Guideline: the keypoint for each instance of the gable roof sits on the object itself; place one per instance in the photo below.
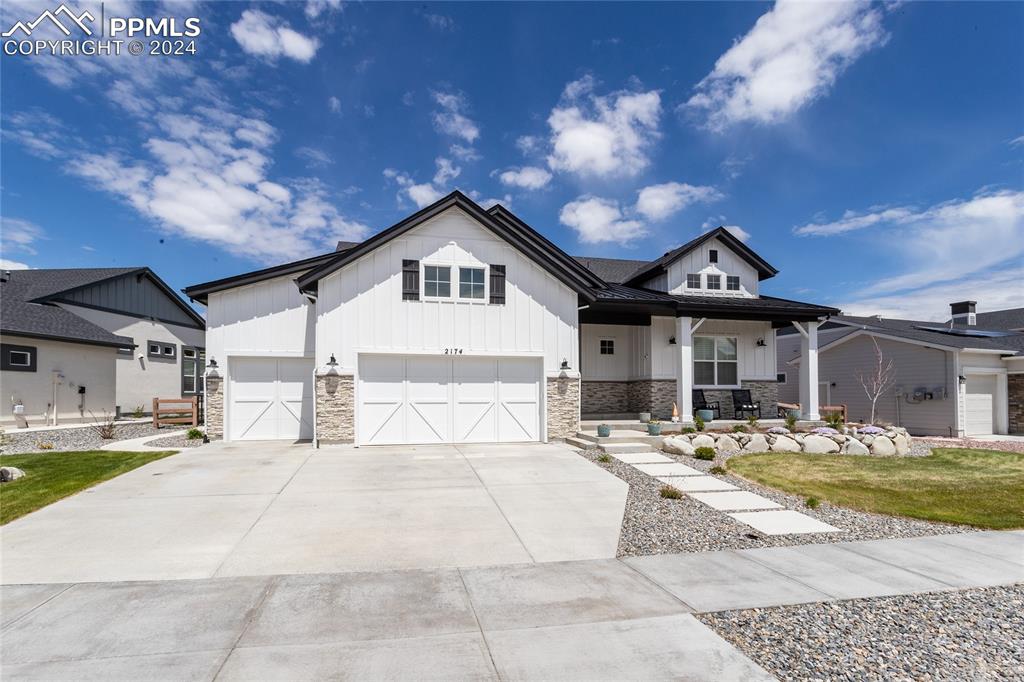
(928, 333)
(1011, 318)
(499, 221)
(201, 292)
(611, 270)
(654, 268)
(25, 312)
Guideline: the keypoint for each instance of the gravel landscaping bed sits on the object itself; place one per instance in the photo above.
(77, 438)
(655, 525)
(176, 441)
(963, 635)
(1001, 445)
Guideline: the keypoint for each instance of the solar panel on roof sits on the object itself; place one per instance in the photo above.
(963, 331)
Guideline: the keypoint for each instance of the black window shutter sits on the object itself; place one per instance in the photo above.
(498, 284)
(410, 280)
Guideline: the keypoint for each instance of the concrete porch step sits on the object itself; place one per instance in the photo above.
(579, 443)
(623, 448)
(623, 436)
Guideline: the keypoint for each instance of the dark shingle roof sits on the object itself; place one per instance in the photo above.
(611, 270)
(912, 330)
(21, 316)
(1012, 318)
(345, 246)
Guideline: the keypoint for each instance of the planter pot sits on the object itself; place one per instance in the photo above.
(654, 429)
(706, 415)
(604, 430)
(645, 417)
(795, 414)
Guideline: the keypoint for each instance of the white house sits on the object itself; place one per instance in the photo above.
(963, 377)
(460, 324)
(79, 342)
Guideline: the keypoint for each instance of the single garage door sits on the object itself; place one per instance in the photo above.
(980, 404)
(459, 399)
(270, 398)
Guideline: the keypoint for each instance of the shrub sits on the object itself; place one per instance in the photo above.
(704, 453)
(44, 445)
(739, 428)
(193, 433)
(670, 493)
(138, 412)
(790, 422)
(718, 470)
(104, 428)
(698, 423)
(752, 421)
(653, 421)
(688, 429)
(604, 459)
(835, 420)
(812, 502)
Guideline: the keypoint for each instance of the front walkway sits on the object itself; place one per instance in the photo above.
(600, 619)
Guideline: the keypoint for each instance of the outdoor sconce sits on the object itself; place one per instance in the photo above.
(962, 379)
(212, 364)
(671, 340)
(332, 362)
(565, 364)
(761, 343)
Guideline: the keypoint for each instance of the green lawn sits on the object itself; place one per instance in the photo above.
(982, 488)
(52, 476)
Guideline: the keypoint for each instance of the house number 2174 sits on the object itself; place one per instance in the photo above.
(453, 351)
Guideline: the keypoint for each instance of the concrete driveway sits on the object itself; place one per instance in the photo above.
(251, 509)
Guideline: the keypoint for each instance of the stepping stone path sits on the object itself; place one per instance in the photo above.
(735, 501)
(784, 522)
(641, 457)
(689, 484)
(672, 469)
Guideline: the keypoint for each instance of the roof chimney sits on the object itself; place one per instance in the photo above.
(5, 275)
(963, 313)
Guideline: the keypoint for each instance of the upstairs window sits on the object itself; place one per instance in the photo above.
(732, 283)
(607, 346)
(471, 282)
(693, 281)
(713, 255)
(437, 281)
(714, 281)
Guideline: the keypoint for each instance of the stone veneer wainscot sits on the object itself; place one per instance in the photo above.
(335, 408)
(1015, 391)
(563, 398)
(213, 407)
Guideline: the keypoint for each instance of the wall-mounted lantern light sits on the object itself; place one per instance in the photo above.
(332, 362)
(565, 364)
(761, 343)
(671, 340)
(962, 379)
(212, 364)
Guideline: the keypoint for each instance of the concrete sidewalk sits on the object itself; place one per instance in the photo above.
(600, 619)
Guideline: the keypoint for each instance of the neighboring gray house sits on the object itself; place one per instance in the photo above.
(80, 342)
(962, 377)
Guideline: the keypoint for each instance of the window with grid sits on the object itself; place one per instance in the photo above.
(714, 281)
(715, 362)
(471, 282)
(732, 283)
(607, 346)
(437, 281)
(693, 281)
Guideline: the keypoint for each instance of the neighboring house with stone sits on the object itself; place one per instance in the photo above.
(962, 377)
(81, 342)
(460, 324)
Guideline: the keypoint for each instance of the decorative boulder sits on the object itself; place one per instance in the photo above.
(882, 445)
(855, 447)
(757, 443)
(785, 444)
(703, 441)
(677, 446)
(819, 444)
(727, 444)
(10, 474)
(902, 444)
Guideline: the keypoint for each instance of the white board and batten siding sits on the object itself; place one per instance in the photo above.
(729, 263)
(267, 318)
(360, 307)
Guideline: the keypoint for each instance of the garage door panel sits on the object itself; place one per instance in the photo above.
(270, 399)
(979, 405)
(518, 422)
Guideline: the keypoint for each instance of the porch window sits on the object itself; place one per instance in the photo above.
(607, 346)
(715, 362)
(437, 281)
(714, 281)
(693, 281)
(732, 283)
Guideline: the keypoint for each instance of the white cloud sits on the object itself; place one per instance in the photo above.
(446, 170)
(334, 104)
(602, 135)
(736, 230)
(597, 220)
(464, 153)
(527, 177)
(440, 22)
(451, 120)
(1017, 141)
(424, 193)
(314, 8)
(12, 265)
(19, 235)
(791, 56)
(658, 202)
(529, 144)
(263, 35)
(314, 158)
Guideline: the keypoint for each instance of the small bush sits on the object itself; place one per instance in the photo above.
(704, 453)
(44, 445)
(688, 429)
(739, 428)
(790, 422)
(105, 428)
(138, 412)
(812, 502)
(718, 470)
(698, 423)
(835, 420)
(193, 433)
(752, 421)
(670, 493)
(604, 459)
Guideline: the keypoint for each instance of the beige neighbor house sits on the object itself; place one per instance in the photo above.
(78, 343)
(460, 324)
(963, 377)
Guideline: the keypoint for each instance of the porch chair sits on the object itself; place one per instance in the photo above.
(742, 402)
(700, 403)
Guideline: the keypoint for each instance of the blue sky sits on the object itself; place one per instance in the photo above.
(873, 153)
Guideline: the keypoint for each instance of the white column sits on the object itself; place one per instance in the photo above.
(684, 374)
(808, 370)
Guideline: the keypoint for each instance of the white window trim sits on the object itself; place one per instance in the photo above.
(458, 295)
(700, 281)
(26, 353)
(423, 280)
(739, 383)
(453, 275)
(606, 338)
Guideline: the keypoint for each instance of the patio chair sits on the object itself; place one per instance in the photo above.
(742, 403)
(700, 403)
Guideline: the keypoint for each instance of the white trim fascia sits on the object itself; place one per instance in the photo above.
(986, 351)
(440, 352)
(269, 354)
(860, 332)
(965, 370)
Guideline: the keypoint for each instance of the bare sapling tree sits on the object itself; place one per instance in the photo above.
(879, 380)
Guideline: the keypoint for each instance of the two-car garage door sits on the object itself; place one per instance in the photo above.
(450, 399)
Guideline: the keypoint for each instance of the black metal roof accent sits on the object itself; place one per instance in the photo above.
(764, 269)
(518, 234)
(766, 308)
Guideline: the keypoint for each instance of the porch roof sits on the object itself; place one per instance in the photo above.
(619, 298)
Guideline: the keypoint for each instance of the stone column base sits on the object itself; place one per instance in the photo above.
(335, 408)
(563, 397)
(213, 407)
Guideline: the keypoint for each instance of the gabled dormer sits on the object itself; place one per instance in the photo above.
(714, 264)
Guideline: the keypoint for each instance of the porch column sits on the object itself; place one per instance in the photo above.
(808, 370)
(684, 375)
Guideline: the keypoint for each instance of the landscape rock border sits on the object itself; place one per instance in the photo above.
(893, 441)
